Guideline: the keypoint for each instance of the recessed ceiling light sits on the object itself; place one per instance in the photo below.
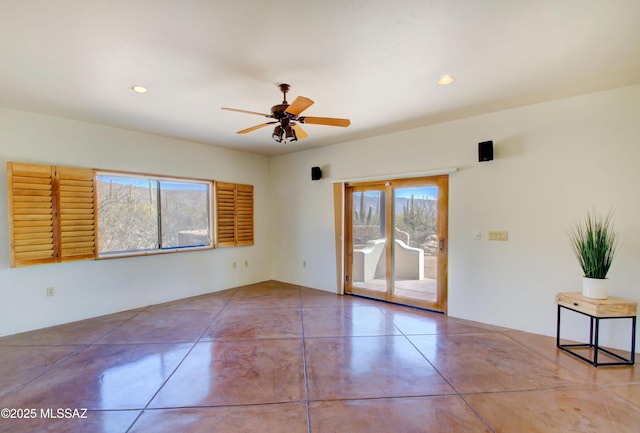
(446, 79)
(139, 89)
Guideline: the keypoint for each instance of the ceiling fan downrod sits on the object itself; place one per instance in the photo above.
(284, 88)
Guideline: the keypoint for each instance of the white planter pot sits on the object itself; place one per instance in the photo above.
(595, 288)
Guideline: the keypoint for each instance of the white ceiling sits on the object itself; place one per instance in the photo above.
(373, 61)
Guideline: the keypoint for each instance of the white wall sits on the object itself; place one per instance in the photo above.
(92, 288)
(553, 162)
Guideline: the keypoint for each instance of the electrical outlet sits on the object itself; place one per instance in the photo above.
(51, 291)
(477, 235)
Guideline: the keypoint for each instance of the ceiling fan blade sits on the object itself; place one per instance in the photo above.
(331, 121)
(299, 105)
(300, 133)
(246, 112)
(253, 128)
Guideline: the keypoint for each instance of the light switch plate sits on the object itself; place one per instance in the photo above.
(498, 235)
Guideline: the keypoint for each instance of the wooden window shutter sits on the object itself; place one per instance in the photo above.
(244, 215)
(32, 237)
(77, 214)
(234, 214)
(225, 214)
(51, 214)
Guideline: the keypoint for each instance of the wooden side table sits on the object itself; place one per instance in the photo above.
(596, 310)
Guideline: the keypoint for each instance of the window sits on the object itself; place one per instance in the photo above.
(140, 214)
(60, 214)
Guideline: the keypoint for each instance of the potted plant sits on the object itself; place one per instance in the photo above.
(594, 243)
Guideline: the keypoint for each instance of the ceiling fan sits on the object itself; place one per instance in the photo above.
(288, 119)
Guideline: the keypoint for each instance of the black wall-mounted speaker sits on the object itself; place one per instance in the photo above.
(485, 151)
(316, 173)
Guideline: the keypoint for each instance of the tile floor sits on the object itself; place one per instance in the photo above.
(272, 357)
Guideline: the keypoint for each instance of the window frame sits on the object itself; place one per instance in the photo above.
(158, 178)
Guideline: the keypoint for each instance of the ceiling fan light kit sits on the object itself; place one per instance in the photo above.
(288, 119)
(284, 133)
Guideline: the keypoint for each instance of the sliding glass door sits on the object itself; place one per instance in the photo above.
(396, 241)
(368, 238)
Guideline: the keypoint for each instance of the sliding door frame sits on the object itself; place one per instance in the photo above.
(388, 186)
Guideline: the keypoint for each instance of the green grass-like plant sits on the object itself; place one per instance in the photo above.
(594, 243)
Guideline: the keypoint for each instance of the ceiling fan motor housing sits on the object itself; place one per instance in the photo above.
(278, 111)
